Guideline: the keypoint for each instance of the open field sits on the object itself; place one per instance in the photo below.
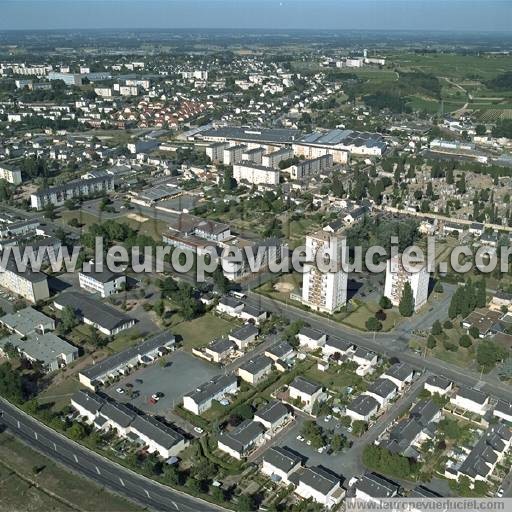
(199, 332)
(31, 482)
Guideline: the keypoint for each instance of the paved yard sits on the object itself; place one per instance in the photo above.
(183, 373)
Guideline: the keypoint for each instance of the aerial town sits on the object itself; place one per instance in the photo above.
(254, 390)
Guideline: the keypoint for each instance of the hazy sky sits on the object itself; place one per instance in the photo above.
(472, 15)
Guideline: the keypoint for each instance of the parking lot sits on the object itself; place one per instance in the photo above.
(182, 374)
(346, 464)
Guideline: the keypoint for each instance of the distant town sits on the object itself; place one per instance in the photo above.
(254, 390)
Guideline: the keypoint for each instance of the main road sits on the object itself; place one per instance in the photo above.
(103, 471)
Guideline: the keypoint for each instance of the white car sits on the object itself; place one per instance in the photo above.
(308, 442)
(120, 391)
(199, 430)
(300, 438)
(328, 418)
(321, 449)
(155, 397)
(500, 493)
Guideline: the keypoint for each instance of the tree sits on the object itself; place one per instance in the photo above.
(159, 308)
(436, 328)
(406, 306)
(49, 211)
(245, 503)
(431, 342)
(474, 332)
(385, 302)
(194, 485)
(218, 494)
(68, 319)
(490, 353)
(338, 442)
(359, 427)
(374, 325)
(77, 431)
(465, 341)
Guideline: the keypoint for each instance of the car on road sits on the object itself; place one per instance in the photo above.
(120, 391)
(321, 449)
(500, 493)
(300, 438)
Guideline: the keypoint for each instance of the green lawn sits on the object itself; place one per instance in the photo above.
(59, 393)
(57, 488)
(335, 378)
(357, 319)
(199, 332)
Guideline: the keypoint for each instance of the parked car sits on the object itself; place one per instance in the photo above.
(120, 391)
(199, 430)
(300, 438)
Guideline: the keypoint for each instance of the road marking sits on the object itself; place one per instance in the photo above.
(121, 480)
(19, 424)
(175, 505)
(35, 435)
(97, 470)
(75, 457)
(147, 493)
(55, 446)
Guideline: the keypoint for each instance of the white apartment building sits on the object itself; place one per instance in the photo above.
(216, 151)
(59, 194)
(323, 290)
(273, 159)
(255, 174)
(306, 168)
(10, 174)
(104, 283)
(233, 154)
(397, 276)
(32, 286)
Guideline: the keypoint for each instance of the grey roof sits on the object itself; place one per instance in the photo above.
(89, 401)
(377, 486)
(423, 492)
(311, 333)
(424, 411)
(243, 436)
(272, 412)
(117, 360)
(364, 354)
(305, 385)
(405, 431)
(89, 307)
(27, 273)
(253, 311)
(245, 332)
(382, 387)
(230, 301)
(157, 431)
(345, 137)
(45, 348)
(438, 381)
(504, 407)
(118, 413)
(220, 346)
(280, 349)
(245, 134)
(472, 394)
(399, 371)
(104, 276)
(341, 345)
(25, 321)
(281, 458)
(318, 479)
(211, 388)
(257, 364)
(363, 405)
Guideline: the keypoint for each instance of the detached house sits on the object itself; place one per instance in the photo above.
(240, 441)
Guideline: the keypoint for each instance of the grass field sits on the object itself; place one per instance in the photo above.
(29, 482)
(199, 332)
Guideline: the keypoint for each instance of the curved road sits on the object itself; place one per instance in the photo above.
(106, 473)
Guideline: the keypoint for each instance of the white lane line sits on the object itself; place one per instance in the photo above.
(121, 480)
(75, 457)
(19, 424)
(55, 446)
(147, 493)
(97, 470)
(35, 435)
(175, 505)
